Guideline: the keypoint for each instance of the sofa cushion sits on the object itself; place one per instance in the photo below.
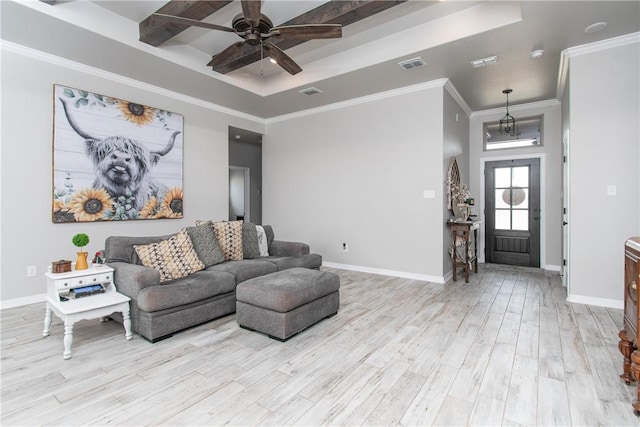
(196, 287)
(313, 261)
(206, 244)
(246, 269)
(173, 258)
(120, 248)
(229, 234)
(250, 248)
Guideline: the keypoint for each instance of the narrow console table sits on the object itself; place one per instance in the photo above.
(463, 230)
(629, 335)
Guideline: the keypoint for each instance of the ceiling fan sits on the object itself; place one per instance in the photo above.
(257, 30)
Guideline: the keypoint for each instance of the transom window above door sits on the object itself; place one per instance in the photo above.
(527, 133)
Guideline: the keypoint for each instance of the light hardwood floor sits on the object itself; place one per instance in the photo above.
(505, 349)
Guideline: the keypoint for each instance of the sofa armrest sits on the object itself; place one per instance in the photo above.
(130, 279)
(282, 248)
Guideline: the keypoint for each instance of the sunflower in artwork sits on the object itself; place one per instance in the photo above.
(172, 203)
(90, 204)
(150, 209)
(138, 114)
(61, 212)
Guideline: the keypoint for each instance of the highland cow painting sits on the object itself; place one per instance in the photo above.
(114, 160)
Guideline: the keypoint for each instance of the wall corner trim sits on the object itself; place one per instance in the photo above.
(19, 302)
(384, 272)
(600, 302)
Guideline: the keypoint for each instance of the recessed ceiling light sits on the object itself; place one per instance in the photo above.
(477, 63)
(594, 28)
(537, 53)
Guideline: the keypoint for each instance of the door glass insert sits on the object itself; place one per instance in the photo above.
(512, 198)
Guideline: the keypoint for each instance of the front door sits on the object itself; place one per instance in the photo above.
(512, 200)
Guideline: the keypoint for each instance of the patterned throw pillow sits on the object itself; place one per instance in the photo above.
(173, 258)
(205, 243)
(263, 246)
(229, 234)
(250, 248)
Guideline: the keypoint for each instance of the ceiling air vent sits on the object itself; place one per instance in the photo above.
(411, 63)
(310, 91)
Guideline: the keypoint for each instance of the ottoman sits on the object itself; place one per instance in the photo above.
(283, 303)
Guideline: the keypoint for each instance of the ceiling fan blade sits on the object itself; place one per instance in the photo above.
(223, 56)
(192, 22)
(282, 58)
(251, 11)
(308, 32)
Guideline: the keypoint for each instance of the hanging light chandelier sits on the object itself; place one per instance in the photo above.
(507, 123)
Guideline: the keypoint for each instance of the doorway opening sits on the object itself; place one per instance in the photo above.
(245, 175)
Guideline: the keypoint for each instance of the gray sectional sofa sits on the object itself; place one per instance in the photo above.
(159, 309)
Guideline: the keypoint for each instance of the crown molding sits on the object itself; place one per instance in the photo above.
(449, 87)
(360, 100)
(77, 66)
(568, 53)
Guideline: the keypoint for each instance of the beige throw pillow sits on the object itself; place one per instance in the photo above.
(229, 235)
(173, 258)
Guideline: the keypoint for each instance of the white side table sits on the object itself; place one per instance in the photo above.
(89, 307)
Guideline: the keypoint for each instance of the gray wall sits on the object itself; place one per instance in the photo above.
(604, 150)
(455, 146)
(356, 174)
(249, 155)
(28, 235)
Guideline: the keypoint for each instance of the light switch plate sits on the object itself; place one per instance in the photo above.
(429, 194)
(611, 190)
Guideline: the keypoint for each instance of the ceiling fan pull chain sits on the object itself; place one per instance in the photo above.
(261, 59)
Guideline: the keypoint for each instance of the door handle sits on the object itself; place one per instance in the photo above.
(536, 214)
(564, 223)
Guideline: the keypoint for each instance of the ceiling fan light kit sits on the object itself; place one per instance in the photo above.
(257, 30)
(507, 122)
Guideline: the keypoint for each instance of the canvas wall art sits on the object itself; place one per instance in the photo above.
(114, 159)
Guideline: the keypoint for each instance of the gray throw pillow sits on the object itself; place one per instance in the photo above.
(250, 248)
(206, 244)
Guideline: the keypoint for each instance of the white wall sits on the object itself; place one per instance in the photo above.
(551, 172)
(604, 151)
(356, 174)
(28, 237)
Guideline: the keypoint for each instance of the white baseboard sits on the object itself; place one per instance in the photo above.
(550, 267)
(383, 272)
(600, 302)
(19, 302)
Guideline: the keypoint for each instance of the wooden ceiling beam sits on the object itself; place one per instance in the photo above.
(156, 31)
(332, 12)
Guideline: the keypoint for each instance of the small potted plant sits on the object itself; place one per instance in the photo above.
(81, 240)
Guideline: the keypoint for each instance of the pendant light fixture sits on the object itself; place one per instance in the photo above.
(507, 123)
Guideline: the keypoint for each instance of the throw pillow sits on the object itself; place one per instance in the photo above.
(250, 248)
(173, 258)
(206, 244)
(229, 234)
(263, 246)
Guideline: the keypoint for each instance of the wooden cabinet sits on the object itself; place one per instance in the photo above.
(629, 338)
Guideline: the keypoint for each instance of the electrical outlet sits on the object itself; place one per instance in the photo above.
(345, 247)
(32, 271)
